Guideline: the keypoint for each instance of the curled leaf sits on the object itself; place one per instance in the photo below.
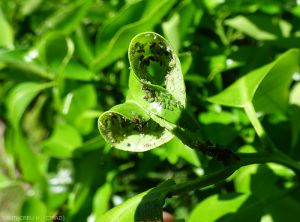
(157, 100)
(156, 80)
(153, 61)
(128, 127)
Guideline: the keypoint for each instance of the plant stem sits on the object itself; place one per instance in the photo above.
(285, 160)
(275, 157)
(245, 159)
(267, 143)
(203, 181)
(270, 154)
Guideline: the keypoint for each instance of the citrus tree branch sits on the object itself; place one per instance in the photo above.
(245, 159)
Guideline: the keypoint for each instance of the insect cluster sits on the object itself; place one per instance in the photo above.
(116, 127)
(217, 151)
(163, 99)
(154, 51)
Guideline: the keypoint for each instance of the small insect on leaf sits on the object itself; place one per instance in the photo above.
(128, 127)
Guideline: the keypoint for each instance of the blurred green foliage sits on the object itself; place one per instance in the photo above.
(63, 63)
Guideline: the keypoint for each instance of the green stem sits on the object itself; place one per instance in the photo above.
(203, 181)
(271, 154)
(267, 143)
(245, 160)
(221, 32)
(285, 160)
(275, 157)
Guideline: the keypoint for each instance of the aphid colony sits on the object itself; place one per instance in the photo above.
(155, 51)
(164, 99)
(117, 127)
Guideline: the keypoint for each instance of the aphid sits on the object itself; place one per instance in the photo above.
(172, 63)
(153, 45)
(141, 50)
(141, 57)
(152, 58)
(145, 62)
(139, 123)
(123, 124)
(138, 47)
(106, 123)
(113, 117)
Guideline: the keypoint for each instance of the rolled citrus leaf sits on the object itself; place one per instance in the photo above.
(156, 80)
(128, 127)
(157, 100)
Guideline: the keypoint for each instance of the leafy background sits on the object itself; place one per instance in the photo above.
(63, 63)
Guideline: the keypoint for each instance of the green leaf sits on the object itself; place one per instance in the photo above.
(23, 154)
(223, 117)
(35, 208)
(113, 46)
(267, 86)
(78, 197)
(146, 206)
(170, 29)
(77, 101)
(256, 26)
(212, 4)
(186, 60)
(272, 94)
(295, 95)
(243, 90)
(128, 127)
(291, 210)
(156, 80)
(255, 178)
(55, 49)
(7, 35)
(181, 23)
(20, 97)
(91, 144)
(76, 71)
(76, 104)
(101, 200)
(63, 141)
(233, 207)
(157, 87)
(295, 128)
(175, 149)
(66, 19)
(83, 46)
(23, 60)
(216, 206)
(29, 6)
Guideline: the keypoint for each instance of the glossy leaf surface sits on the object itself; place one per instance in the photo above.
(146, 206)
(266, 87)
(20, 98)
(114, 41)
